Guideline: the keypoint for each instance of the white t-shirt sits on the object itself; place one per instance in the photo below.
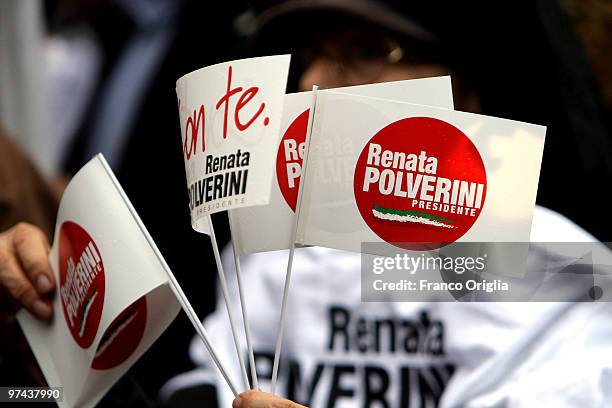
(340, 352)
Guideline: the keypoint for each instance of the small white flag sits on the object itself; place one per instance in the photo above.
(230, 117)
(268, 228)
(385, 171)
(113, 300)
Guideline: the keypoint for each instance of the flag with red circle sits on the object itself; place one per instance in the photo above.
(409, 175)
(113, 299)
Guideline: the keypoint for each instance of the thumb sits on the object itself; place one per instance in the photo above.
(258, 399)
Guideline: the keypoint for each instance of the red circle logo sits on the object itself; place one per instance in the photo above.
(289, 158)
(81, 282)
(420, 180)
(122, 337)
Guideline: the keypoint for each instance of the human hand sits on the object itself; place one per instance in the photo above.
(25, 273)
(258, 399)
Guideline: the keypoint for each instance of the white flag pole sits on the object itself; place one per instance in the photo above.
(245, 320)
(174, 285)
(225, 292)
(281, 324)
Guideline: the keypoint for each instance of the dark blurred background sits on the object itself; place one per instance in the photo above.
(105, 73)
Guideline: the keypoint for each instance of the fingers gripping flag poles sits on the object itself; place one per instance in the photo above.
(230, 117)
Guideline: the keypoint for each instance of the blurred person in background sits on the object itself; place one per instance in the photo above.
(520, 61)
(517, 61)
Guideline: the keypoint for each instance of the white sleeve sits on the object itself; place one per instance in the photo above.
(562, 359)
(570, 365)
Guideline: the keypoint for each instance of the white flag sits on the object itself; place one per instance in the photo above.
(113, 299)
(268, 228)
(230, 119)
(385, 171)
